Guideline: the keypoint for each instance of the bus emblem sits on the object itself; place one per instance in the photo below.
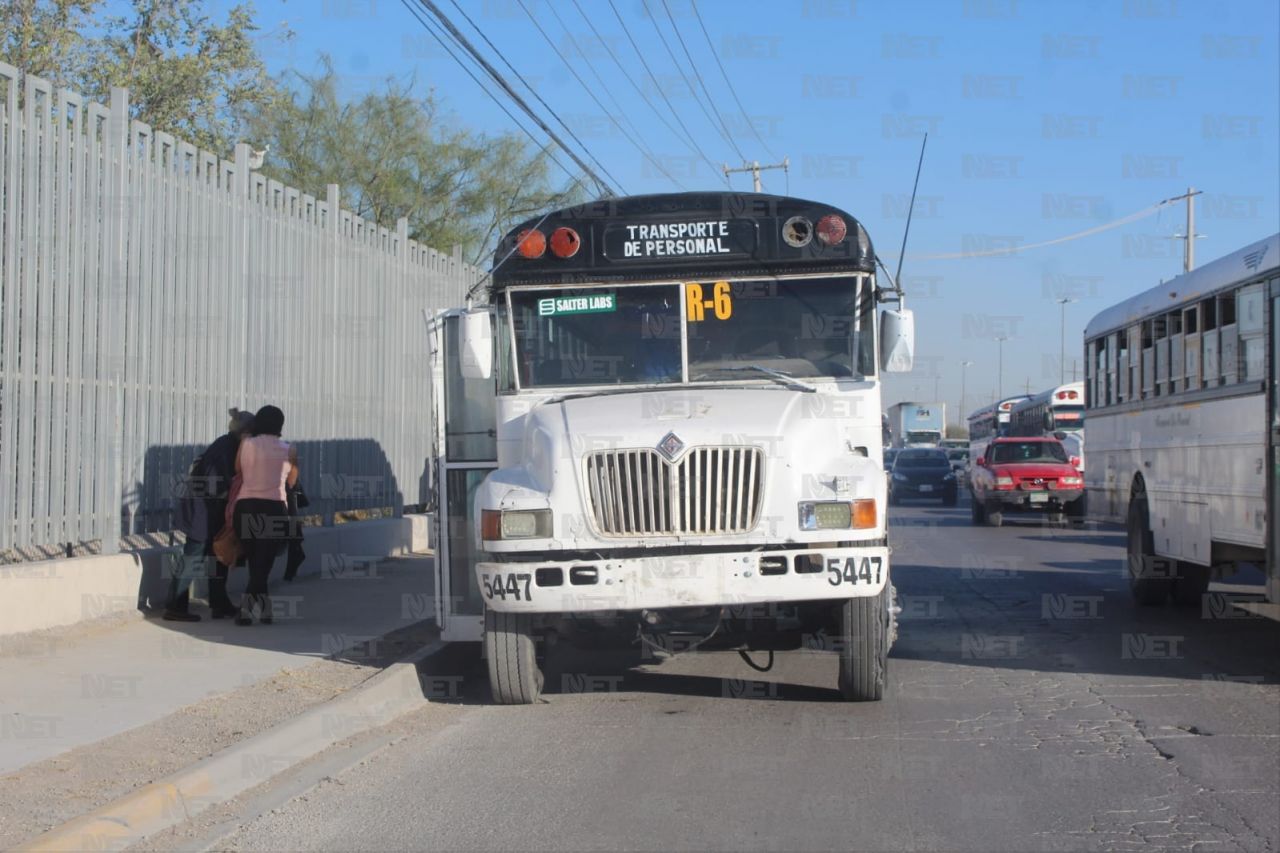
(671, 445)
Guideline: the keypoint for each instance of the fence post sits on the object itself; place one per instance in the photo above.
(334, 224)
(403, 318)
(240, 204)
(109, 477)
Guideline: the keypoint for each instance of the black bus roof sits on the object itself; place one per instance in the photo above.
(647, 237)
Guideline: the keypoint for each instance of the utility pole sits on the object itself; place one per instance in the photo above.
(1188, 238)
(755, 169)
(1000, 339)
(1062, 344)
(963, 365)
(1189, 253)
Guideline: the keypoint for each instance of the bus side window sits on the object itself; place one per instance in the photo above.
(1149, 383)
(1160, 327)
(1135, 362)
(1229, 339)
(1090, 399)
(1122, 366)
(1191, 347)
(1251, 323)
(1100, 371)
(1209, 361)
(1176, 363)
(1111, 386)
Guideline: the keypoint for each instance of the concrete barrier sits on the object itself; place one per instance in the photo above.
(56, 593)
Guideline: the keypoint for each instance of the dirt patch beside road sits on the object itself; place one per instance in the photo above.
(47, 793)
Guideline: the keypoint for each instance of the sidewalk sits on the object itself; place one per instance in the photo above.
(64, 689)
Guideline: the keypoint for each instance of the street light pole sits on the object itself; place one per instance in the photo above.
(1000, 339)
(1062, 344)
(963, 365)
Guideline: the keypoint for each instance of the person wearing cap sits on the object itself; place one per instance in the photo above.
(201, 513)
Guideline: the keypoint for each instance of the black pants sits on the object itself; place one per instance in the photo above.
(263, 528)
(197, 562)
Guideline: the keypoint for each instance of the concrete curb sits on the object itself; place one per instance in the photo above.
(220, 777)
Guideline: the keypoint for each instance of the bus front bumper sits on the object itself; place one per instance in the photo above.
(693, 580)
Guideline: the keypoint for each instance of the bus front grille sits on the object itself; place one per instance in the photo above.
(709, 490)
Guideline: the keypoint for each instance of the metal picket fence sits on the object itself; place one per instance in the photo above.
(148, 286)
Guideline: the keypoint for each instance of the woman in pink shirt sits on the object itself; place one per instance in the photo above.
(267, 464)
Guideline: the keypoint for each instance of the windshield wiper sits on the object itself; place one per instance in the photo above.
(779, 376)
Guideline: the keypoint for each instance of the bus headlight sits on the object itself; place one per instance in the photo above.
(1070, 481)
(838, 515)
(515, 524)
(1004, 482)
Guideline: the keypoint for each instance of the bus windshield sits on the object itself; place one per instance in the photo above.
(641, 334)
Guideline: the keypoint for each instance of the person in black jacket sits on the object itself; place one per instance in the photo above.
(201, 513)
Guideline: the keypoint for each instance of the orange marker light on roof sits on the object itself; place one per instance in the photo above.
(565, 242)
(831, 229)
(531, 243)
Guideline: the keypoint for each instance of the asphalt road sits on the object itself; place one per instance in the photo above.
(1031, 707)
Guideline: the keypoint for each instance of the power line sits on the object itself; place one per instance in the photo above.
(627, 32)
(728, 82)
(724, 133)
(577, 5)
(506, 87)
(534, 91)
(432, 31)
(641, 146)
(1013, 250)
(724, 127)
(605, 87)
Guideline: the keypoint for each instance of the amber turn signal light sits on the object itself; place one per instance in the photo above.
(565, 242)
(531, 243)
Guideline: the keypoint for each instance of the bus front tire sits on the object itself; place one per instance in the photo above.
(864, 652)
(1191, 583)
(1147, 589)
(995, 517)
(511, 649)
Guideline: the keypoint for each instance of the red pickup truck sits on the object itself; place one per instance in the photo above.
(1025, 475)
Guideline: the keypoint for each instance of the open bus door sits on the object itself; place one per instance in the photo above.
(466, 451)
(1273, 448)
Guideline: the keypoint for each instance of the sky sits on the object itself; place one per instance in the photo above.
(1045, 119)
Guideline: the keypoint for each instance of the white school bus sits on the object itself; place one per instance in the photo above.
(1183, 415)
(664, 429)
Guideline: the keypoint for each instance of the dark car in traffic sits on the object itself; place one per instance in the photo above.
(922, 473)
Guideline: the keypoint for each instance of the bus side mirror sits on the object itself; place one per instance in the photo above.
(897, 340)
(982, 460)
(475, 344)
(1075, 462)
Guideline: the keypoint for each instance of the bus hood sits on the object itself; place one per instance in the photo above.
(814, 446)
(774, 418)
(801, 433)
